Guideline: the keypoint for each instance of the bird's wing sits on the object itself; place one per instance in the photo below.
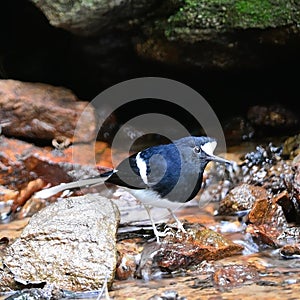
(128, 174)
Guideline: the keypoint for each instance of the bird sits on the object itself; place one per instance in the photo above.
(164, 176)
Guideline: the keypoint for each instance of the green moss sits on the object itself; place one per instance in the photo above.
(262, 13)
(195, 16)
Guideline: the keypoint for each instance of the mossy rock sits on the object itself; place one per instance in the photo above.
(195, 18)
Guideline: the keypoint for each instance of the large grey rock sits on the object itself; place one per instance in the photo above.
(88, 17)
(71, 243)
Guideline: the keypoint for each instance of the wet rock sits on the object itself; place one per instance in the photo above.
(241, 198)
(49, 292)
(266, 211)
(265, 235)
(290, 235)
(128, 258)
(232, 276)
(290, 207)
(263, 155)
(290, 251)
(42, 111)
(13, 174)
(296, 178)
(26, 168)
(266, 222)
(168, 295)
(181, 251)
(266, 167)
(70, 243)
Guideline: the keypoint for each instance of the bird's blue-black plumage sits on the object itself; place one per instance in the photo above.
(163, 170)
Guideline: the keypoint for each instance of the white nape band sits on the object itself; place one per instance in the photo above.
(209, 147)
(141, 164)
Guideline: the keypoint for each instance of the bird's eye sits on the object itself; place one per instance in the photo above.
(197, 149)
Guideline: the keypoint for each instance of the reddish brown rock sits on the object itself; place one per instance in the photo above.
(241, 197)
(290, 251)
(232, 276)
(42, 111)
(264, 234)
(26, 169)
(266, 211)
(184, 250)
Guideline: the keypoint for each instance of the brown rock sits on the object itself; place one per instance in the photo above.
(185, 250)
(264, 234)
(36, 110)
(232, 276)
(240, 198)
(25, 168)
(266, 211)
(290, 251)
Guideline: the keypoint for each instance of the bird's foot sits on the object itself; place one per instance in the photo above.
(180, 226)
(159, 234)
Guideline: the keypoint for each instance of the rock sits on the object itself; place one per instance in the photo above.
(295, 187)
(233, 276)
(221, 34)
(290, 251)
(266, 211)
(71, 243)
(42, 111)
(185, 250)
(266, 167)
(290, 207)
(242, 197)
(26, 168)
(90, 17)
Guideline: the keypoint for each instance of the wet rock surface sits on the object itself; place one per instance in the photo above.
(71, 243)
(241, 198)
(180, 251)
(232, 276)
(26, 169)
(24, 114)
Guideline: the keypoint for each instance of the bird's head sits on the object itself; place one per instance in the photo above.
(200, 148)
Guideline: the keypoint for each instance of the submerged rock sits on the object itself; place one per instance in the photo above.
(71, 243)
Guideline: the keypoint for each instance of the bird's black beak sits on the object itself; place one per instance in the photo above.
(219, 159)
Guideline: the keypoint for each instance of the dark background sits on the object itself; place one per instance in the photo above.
(32, 50)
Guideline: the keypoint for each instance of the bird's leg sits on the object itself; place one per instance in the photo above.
(156, 232)
(179, 224)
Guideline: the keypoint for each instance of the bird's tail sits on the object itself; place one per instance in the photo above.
(46, 193)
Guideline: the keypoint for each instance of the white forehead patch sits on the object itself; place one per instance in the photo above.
(209, 147)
